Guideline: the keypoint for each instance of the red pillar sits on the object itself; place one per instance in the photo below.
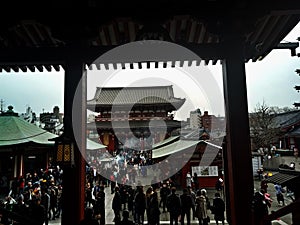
(237, 156)
(74, 177)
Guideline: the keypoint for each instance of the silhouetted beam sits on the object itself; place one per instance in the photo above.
(7, 69)
(56, 67)
(48, 68)
(291, 46)
(49, 55)
(40, 68)
(31, 68)
(58, 55)
(23, 68)
(16, 69)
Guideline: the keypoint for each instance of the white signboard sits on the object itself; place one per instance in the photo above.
(205, 171)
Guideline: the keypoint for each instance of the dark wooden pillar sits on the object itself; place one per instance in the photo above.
(74, 177)
(238, 166)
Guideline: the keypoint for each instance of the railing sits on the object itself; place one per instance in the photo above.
(109, 119)
(291, 208)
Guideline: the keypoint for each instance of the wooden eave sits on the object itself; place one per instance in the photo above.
(43, 35)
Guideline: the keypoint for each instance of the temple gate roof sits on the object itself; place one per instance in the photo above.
(134, 97)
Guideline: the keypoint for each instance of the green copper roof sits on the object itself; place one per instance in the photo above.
(14, 130)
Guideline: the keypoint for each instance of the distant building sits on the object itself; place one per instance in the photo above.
(29, 115)
(204, 126)
(133, 117)
(211, 123)
(9, 112)
(195, 119)
(52, 122)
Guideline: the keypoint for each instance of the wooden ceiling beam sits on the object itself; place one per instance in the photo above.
(58, 55)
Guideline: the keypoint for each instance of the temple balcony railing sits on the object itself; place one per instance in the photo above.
(139, 118)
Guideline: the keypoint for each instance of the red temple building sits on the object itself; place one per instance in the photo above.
(133, 117)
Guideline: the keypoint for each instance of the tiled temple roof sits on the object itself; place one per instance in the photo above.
(129, 96)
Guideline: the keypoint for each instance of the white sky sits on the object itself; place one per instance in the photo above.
(271, 80)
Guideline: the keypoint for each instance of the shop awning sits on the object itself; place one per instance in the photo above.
(172, 148)
(92, 145)
(175, 144)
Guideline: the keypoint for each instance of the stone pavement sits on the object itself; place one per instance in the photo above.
(164, 217)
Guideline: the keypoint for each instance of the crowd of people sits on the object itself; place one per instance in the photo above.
(38, 197)
(151, 202)
(41, 191)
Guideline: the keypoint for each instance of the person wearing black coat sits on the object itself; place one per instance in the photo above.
(117, 205)
(154, 211)
(186, 206)
(173, 206)
(218, 208)
(89, 217)
(139, 206)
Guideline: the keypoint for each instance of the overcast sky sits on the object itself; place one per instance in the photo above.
(271, 80)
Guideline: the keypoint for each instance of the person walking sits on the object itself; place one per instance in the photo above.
(218, 208)
(149, 193)
(193, 195)
(195, 182)
(164, 192)
(99, 206)
(139, 206)
(154, 211)
(259, 207)
(279, 194)
(117, 206)
(188, 179)
(174, 206)
(38, 212)
(45, 201)
(186, 206)
(201, 208)
(264, 185)
(220, 186)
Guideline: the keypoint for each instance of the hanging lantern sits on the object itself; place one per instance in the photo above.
(64, 151)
